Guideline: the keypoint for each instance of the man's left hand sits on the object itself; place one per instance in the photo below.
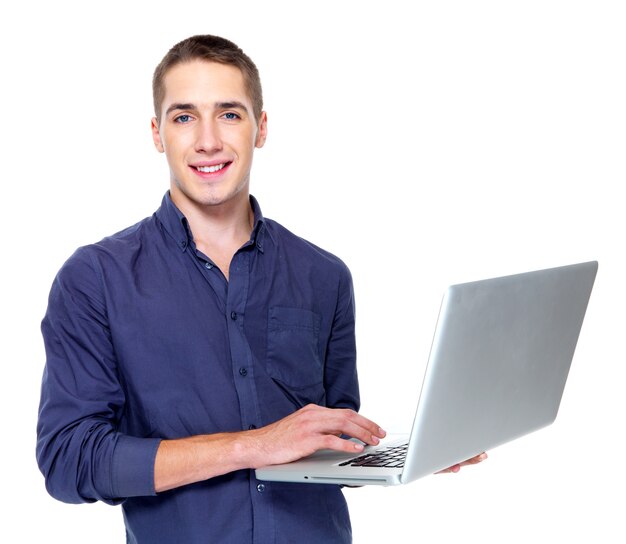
(473, 461)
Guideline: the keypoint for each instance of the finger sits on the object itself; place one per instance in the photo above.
(347, 422)
(333, 442)
(452, 469)
(357, 426)
(475, 460)
(364, 434)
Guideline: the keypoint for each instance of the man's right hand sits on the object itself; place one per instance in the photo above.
(308, 430)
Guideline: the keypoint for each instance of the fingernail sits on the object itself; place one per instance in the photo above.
(358, 446)
(382, 432)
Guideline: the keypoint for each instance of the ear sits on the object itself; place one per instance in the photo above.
(261, 134)
(156, 136)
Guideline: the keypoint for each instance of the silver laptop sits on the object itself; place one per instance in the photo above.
(497, 369)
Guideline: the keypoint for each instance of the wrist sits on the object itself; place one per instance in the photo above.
(247, 450)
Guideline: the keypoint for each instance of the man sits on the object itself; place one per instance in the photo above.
(202, 342)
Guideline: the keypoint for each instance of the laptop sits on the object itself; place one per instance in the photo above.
(497, 368)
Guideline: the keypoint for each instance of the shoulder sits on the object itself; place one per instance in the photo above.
(122, 244)
(127, 240)
(94, 260)
(301, 250)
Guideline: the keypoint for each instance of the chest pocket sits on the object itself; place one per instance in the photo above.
(293, 352)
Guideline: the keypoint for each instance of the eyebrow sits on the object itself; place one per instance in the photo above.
(231, 106)
(179, 106)
(218, 105)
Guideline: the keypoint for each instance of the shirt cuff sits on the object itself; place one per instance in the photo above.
(133, 466)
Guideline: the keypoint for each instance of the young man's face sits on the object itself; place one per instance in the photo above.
(208, 133)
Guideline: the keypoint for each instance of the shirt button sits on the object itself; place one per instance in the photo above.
(243, 371)
(233, 316)
(183, 244)
(260, 488)
(208, 265)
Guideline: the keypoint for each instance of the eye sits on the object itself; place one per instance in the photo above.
(182, 118)
(231, 116)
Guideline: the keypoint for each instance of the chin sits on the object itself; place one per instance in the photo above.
(215, 199)
(207, 196)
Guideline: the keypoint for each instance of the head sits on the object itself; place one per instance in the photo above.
(212, 49)
(208, 122)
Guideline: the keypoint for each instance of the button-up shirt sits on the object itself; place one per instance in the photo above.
(146, 340)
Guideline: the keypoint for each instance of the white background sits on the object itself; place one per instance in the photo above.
(451, 141)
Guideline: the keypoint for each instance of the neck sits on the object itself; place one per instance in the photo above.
(233, 217)
(218, 230)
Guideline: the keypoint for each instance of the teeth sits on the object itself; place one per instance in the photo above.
(214, 168)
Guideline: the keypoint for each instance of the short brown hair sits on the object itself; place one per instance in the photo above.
(213, 49)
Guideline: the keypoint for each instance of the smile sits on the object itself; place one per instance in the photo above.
(211, 169)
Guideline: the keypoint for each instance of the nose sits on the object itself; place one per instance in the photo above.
(208, 137)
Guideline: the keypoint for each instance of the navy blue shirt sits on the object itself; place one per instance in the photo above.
(146, 340)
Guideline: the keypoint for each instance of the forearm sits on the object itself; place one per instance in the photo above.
(198, 458)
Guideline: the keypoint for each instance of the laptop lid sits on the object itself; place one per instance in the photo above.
(499, 362)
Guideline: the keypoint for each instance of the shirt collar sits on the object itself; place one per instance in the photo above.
(259, 227)
(177, 226)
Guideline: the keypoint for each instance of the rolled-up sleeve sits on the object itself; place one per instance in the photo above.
(80, 450)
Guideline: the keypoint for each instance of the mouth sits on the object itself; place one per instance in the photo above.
(209, 170)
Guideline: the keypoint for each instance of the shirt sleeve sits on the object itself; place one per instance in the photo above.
(80, 451)
(340, 375)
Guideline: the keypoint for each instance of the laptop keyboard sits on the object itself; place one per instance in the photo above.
(390, 457)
